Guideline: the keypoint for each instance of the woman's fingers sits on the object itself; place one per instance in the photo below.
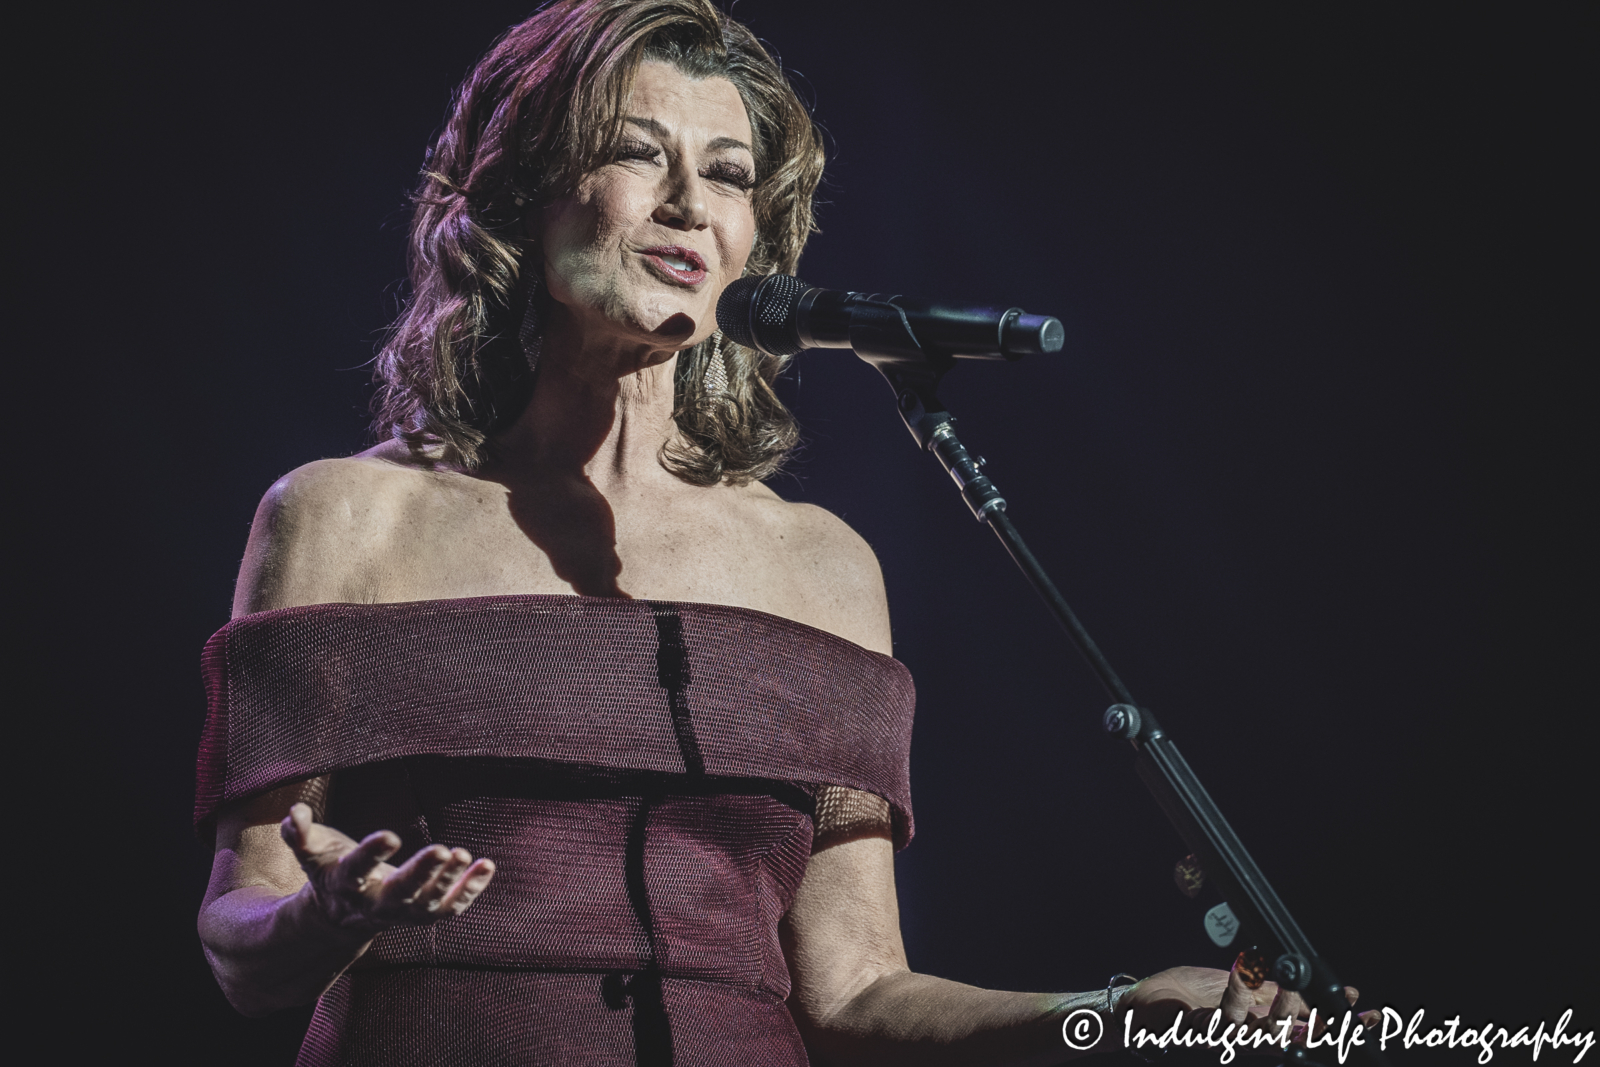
(1237, 998)
(313, 842)
(296, 830)
(473, 881)
(357, 871)
(412, 881)
(1288, 1005)
(445, 879)
(434, 884)
(442, 877)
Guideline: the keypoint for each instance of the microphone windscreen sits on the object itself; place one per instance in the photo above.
(733, 311)
(761, 313)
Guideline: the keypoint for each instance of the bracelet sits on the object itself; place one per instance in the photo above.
(1102, 1000)
(1115, 992)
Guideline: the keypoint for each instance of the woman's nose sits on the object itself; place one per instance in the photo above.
(683, 207)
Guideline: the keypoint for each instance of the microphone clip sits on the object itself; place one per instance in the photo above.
(881, 335)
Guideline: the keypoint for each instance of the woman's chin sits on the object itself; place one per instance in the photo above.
(661, 322)
(678, 329)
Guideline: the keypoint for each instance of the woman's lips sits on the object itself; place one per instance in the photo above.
(679, 264)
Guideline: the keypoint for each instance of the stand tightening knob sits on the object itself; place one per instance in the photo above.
(1122, 720)
(1291, 971)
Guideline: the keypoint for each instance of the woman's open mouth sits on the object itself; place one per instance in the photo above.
(676, 263)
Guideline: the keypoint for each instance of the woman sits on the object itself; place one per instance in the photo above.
(557, 621)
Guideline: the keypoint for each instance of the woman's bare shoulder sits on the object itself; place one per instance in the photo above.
(317, 529)
(838, 570)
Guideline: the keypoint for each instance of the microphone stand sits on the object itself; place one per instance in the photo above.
(880, 335)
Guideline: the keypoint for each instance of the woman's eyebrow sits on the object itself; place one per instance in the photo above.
(650, 126)
(660, 130)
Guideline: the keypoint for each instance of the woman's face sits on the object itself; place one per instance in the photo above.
(643, 249)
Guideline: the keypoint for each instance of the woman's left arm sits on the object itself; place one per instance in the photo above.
(853, 995)
(856, 1000)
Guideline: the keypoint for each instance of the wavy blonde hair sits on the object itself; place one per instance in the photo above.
(542, 109)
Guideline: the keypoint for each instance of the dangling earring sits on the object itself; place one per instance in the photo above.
(532, 333)
(716, 379)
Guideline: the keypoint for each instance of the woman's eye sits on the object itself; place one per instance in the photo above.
(638, 150)
(731, 174)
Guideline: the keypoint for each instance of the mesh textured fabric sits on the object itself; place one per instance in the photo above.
(843, 813)
(643, 774)
(484, 1018)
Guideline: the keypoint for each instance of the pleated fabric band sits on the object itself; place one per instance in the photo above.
(634, 685)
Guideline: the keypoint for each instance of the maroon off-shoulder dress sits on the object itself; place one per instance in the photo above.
(643, 774)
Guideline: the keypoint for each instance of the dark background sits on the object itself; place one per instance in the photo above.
(1311, 469)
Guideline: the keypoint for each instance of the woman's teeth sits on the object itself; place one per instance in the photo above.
(675, 263)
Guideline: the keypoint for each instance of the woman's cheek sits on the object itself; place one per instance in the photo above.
(735, 243)
(621, 203)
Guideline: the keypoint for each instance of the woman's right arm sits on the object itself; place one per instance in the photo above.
(292, 902)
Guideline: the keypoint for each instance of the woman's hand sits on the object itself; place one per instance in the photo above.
(357, 890)
(287, 912)
(1199, 991)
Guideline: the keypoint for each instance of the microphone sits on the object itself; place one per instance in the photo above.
(781, 315)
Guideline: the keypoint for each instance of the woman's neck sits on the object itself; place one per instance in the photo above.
(601, 411)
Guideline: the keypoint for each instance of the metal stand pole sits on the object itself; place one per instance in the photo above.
(1264, 921)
